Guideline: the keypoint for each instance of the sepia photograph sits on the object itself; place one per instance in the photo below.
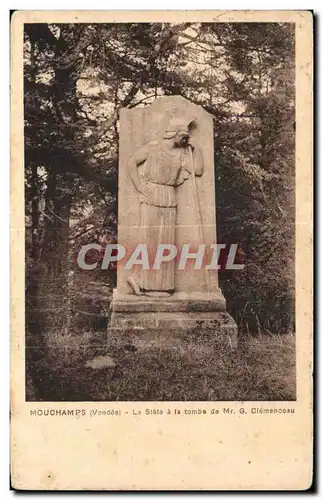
(161, 250)
(159, 164)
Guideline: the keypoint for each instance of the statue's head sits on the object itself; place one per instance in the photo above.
(178, 129)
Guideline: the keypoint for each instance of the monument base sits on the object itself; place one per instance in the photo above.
(181, 319)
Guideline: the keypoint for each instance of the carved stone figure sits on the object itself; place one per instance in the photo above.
(167, 197)
(166, 164)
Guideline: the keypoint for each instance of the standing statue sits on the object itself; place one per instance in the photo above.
(166, 164)
(167, 197)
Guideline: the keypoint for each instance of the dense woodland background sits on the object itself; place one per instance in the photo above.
(76, 79)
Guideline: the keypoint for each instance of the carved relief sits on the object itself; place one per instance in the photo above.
(164, 164)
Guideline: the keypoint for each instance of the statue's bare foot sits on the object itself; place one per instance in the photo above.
(135, 287)
(158, 294)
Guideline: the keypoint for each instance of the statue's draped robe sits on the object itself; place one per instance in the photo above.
(163, 170)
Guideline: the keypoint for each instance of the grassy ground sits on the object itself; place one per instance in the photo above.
(262, 369)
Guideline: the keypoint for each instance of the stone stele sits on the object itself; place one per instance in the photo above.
(158, 145)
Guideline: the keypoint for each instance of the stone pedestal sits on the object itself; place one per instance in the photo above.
(197, 308)
(144, 322)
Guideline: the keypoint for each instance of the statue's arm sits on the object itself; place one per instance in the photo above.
(197, 158)
(137, 159)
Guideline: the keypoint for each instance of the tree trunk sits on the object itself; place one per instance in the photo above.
(54, 262)
(53, 290)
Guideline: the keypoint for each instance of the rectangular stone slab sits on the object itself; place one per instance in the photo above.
(197, 308)
(178, 302)
(166, 330)
(139, 126)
